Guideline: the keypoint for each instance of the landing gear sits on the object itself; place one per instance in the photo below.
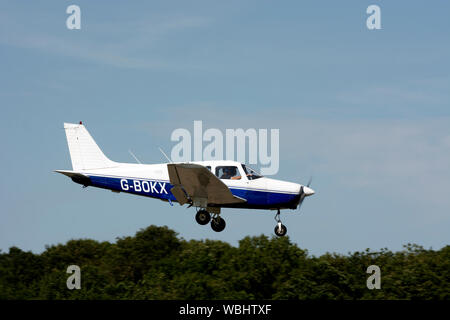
(280, 229)
(203, 217)
(217, 223)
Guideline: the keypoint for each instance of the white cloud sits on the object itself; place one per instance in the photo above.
(124, 45)
(390, 95)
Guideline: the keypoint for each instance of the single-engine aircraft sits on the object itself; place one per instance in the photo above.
(205, 185)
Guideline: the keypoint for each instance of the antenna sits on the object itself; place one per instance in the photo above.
(165, 155)
(137, 160)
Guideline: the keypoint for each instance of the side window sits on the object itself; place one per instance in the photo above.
(228, 172)
(208, 167)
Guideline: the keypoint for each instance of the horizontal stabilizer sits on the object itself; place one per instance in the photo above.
(76, 177)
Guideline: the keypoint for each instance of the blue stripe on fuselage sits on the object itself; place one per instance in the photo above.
(257, 198)
(161, 190)
(149, 188)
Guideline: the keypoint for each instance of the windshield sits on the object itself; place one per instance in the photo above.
(251, 174)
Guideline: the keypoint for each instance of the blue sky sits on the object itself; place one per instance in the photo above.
(365, 112)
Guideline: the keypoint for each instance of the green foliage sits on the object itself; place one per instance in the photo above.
(156, 264)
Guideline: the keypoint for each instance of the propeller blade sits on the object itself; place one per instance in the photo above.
(304, 192)
(302, 197)
(309, 182)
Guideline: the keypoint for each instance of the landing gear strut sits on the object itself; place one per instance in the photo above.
(280, 229)
(202, 217)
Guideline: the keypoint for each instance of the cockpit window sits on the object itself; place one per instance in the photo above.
(251, 174)
(228, 172)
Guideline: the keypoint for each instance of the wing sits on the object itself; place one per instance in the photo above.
(200, 185)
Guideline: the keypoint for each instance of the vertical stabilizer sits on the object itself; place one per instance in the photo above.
(84, 152)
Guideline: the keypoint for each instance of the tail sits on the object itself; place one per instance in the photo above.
(84, 152)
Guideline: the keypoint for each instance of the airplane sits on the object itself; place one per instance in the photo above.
(206, 185)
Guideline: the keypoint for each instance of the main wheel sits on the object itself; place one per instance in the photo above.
(202, 217)
(280, 230)
(218, 224)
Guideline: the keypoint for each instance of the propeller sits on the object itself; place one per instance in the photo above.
(305, 191)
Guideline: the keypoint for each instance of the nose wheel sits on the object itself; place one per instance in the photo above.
(280, 229)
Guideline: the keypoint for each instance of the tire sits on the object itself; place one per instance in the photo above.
(202, 217)
(282, 232)
(218, 224)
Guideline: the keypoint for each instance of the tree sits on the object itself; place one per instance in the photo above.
(157, 264)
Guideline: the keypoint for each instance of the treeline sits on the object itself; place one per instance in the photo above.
(156, 264)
